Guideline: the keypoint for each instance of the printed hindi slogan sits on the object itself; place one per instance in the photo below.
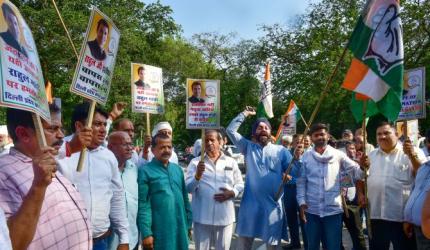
(22, 84)
(94, 70)
(147, 89)
(203, 104)
(413, 99)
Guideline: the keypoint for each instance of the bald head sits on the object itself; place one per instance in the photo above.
(121, 146)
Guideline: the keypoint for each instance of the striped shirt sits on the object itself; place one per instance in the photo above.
(63, 222)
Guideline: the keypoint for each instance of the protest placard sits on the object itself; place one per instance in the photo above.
(93, 74)
(21, 80)
(147, 89)
(203, 104)
(413, 99)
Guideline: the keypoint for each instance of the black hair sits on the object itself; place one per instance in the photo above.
(80, 114)
(318, 126)
(385, 123)
(15, 118)
(102, 22)
(158, 137)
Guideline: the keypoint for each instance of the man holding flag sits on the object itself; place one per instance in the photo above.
(376, 77)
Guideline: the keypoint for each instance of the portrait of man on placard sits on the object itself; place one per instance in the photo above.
(141, 81)
(12, 35)
(196, 89)
(97, 45)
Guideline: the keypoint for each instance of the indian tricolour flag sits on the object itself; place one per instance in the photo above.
(264, 108)
(376, 71)
(292, 117)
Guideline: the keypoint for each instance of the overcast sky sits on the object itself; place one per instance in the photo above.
(240, 16)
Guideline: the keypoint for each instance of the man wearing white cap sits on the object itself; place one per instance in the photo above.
(5, 141)
(160, 128)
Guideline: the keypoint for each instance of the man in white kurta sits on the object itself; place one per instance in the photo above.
(391, 176)
(214, 184)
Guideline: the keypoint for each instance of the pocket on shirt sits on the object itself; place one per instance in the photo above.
(402, 173)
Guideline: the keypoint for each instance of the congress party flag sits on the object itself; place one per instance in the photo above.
(376, 71)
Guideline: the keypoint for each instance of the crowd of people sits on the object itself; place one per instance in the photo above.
(125, 199)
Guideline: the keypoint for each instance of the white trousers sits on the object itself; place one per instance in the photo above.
(245, 243)
(206, 236)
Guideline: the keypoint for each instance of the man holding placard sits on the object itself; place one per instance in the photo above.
(42, 211)
(99, 182)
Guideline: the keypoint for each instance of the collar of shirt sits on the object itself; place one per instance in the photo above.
(393, 151)
(22, 157)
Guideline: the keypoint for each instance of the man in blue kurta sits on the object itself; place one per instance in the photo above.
(260, 215)
(164, 214)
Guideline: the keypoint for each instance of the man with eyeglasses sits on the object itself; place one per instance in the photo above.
(99, 182)
(122, 147)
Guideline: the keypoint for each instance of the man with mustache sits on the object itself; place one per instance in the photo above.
(214, 183)
(319, 189)
(393, 168)
(99, 182)
(164, 215)
(260, 215)
(43, 209)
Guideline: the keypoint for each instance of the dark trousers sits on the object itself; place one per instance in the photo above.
(326, 229)
(355, 229)
(422, 242)
(385, 232)
(292, 211)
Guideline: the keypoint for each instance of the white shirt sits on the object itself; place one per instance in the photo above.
(390, 182)
(319, 183)
(224, 174)
(100, 186)
(5, 243)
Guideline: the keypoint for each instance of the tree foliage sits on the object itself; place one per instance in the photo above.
(303, 53)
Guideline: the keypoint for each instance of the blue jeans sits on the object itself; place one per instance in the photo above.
(292, 210)
(100, 244)
(328, 228)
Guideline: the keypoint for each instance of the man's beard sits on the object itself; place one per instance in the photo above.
(320, 143)
(263, 138)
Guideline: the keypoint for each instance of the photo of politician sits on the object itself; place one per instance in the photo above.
(196, 87)
(141, 81)
(12, 34)
(97, 45)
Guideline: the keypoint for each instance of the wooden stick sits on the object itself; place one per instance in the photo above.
(313, 115)
(148, 125)
(367, 208)
(88, 124)
(406, 130)
(39, 130)
(344, 205)
(202, 152)
(65, 28)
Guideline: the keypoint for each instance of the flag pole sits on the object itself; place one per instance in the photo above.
(311, 119)
(65, 28)
(148, 124)
(367, 208)
(202, 152)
